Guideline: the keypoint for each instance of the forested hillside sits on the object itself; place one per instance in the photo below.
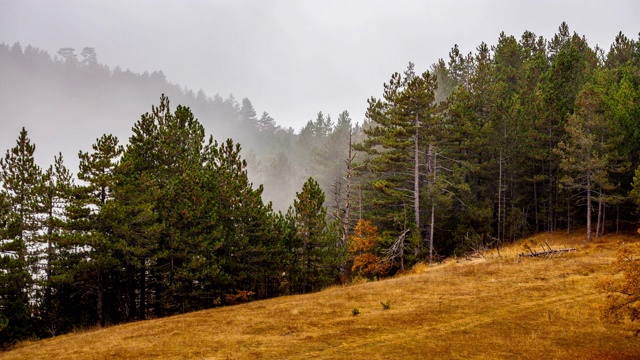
(68, 100)
(525, 136)
(535, 135)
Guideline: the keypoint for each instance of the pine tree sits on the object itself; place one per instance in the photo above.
(15, 279)
(54, 192)
(402, 125)
(248, 116)
(586, 156)
(164, 146)
(572, 65)
(266, 123)
(94, 266)
(243, 233)
(315, 243)
(21, 178)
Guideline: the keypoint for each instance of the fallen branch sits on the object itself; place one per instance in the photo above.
(547, 252)
(395, 250)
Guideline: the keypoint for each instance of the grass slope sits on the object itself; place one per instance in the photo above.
(496, 308)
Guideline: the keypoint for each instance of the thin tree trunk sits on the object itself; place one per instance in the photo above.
(555, 208)
(568, 217)
(599, 221)
(416, 177)
(433, 160)
(143, 291)
(499, 197)
(100, 300)
(551, 187)
(48, 289)
(347, 196)
(132, 308)
(433, 212)
(550, 209)
(604, 213)
(347, 208)
(588, 207)
(360, 200)
(402, 256)
(535, 203)
(49, 254)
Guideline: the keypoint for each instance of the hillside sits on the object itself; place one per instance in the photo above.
(490, 308)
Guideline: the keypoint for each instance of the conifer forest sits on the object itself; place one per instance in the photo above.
(205, 203)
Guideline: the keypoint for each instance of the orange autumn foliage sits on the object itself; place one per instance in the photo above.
(361, 248)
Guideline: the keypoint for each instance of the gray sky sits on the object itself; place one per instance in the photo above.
(295, 58)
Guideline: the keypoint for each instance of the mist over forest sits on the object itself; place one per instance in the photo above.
(79, 99)
(183, 201)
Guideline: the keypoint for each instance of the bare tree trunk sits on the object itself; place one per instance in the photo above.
(588, 207)
(535, 203)
(555, 208)
(432, 160)
(402, 256)
(143, 290)
(568, 217)
(433, 212)
(499, 196)
(347, 197)
(549, 220)
(604, 213)
(360, 200)
(553, 189)
(347, 206)
(511, 196)
(416, 177)
(599, 222)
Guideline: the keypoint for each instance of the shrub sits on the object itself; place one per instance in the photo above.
(241, 296)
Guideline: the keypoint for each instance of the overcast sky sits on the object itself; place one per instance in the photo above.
(295, 58)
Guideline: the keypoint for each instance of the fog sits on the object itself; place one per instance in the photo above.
(291, 59)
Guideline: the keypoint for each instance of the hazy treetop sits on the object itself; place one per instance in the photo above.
(295, 58)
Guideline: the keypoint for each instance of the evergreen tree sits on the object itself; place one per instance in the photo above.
(587, 157)
(54, 195)
(570, 69)
(248, 116)
(266, 123)
(327, 159)
(89, 56)
(401, 125)
(94, 267)
(243, 222)
(315, 243)
(21, 178)
(164, 145)
(15, 279)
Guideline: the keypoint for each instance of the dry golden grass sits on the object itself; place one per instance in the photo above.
(494, 308)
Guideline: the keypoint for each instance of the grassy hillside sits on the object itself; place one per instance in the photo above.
(493, 308)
